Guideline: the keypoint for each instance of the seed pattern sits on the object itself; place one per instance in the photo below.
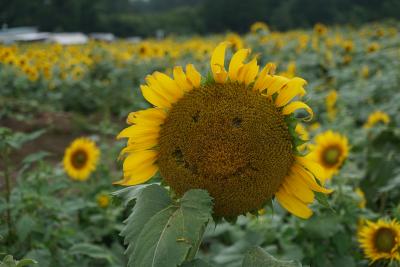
(228, 140)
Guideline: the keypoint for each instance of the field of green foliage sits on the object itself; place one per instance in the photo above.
(54, 98)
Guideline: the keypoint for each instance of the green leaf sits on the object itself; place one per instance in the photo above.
(322, 199)
(173, 233)
(35, 157)
(25, 226)
(92, 251)
(130, 193)
(150, 200)
(257, 257)
(196, 263)
(26, 262)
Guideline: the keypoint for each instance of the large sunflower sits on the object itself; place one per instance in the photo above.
(229, 134)
(80, 158)
(330, 151)
(380, 240)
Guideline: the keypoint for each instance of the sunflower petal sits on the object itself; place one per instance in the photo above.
(293, 106)
(313, 167)
(139, 159)
(181, 79)
(154, 97)
(251, 72)
(293, 205)
(237, 62)
(193, 75)
(139, 177)
(293, 88)
(218, 63)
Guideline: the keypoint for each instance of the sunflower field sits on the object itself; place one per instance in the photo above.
(262, 149)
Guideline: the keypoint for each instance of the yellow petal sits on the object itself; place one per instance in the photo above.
(218, 63)
(169, 85)
(151, 116)
(142, 176)
(181, 79)
(155, 85)
(139, 159)
(309, 179)
(138, 130)
(154, 98)
(293, 106)
(313, 167)
(251, 72)
(276, 84)
(298, 188)
(293, 205)
(193, 75)
(237, 62)
(293, 88)
(265, 73)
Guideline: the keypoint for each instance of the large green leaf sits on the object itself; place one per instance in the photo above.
(257, 257)
(149, 200)
(174, 233)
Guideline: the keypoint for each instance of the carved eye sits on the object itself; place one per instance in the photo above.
(237, 122)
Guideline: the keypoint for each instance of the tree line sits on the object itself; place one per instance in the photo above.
(145, 17)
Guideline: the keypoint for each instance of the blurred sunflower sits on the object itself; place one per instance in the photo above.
(377, 117)
(320, 29)
(362, 202)
(330, 102)
(330, 151)
(373, 47)
(103, 200)
(259, 26)
(380, 240)
(80, 158)
(229, 135)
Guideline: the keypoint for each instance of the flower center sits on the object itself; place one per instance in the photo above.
(228, 140)
(384, 240)
(331, 156)
(79, 159)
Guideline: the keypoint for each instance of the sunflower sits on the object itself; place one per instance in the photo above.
(380, 240)
(103, 200)
(330, 102)
(373, 47)
(377, 117)
(362, 203)
(259, 26)
(80, 158)
(231, 134)
(330, 151)
(320, 29)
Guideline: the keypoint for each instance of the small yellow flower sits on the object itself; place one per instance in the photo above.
(373, 47)
(80, 158)
(103, 200)
(330, 151)
(380, 240)
(258, 27)
(347, 59)
(320, 29)
(377, 117)
(363, 202)
(365, 72)
(348, 46)
(330, 102)
(315, 126)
